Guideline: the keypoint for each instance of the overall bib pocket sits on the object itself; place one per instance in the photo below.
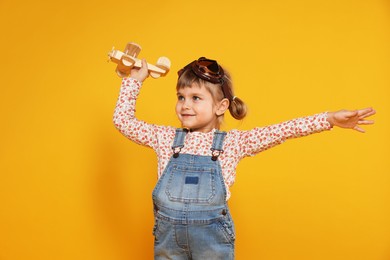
(191, 184)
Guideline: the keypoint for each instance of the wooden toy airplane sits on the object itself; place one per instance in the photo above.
(127, 59)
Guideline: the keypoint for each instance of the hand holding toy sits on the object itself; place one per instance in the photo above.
(127, 59)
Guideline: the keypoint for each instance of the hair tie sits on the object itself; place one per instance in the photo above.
(233, 98)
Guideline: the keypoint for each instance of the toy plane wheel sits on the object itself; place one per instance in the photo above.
(121, 73)
(155, 75)
(128, 61)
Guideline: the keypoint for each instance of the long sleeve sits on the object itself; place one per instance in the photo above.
(125, 120)
(262, 138)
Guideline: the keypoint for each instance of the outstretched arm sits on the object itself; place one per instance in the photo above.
(351, 119)
(262, 138)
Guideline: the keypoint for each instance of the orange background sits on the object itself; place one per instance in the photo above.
(71, 187)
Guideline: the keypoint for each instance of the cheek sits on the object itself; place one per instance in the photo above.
(177, 108)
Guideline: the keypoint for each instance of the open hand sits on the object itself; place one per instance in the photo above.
(351, 119)
(140, 74)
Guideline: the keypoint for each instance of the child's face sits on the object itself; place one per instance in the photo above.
(196, 109)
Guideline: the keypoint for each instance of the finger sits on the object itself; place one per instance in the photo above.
(359, 129)
(366, 111)
(144, 64)
(371, 113)
(366, 122)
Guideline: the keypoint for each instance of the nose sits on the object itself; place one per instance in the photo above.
(186, 105)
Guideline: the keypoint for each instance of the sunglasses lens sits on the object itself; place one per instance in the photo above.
(213, 67)
(206, 69)
(210, 69)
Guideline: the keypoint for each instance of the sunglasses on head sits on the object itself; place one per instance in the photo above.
(205, 69)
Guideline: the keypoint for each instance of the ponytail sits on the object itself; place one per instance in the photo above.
(237, 108)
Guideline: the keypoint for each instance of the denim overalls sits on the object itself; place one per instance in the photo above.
(192, 219)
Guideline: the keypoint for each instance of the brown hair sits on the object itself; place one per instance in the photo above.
(237, 107)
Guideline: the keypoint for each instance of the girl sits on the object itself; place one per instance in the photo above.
(196, 163)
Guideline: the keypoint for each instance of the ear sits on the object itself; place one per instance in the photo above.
(222, 106)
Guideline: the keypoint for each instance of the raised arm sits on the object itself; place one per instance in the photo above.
(124, 116)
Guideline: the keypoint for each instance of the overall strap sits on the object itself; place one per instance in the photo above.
(178, 142)
(217, 145)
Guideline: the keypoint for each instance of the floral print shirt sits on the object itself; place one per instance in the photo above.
(237, 144)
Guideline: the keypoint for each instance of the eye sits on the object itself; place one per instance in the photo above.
(180, 98)
(196, 98)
